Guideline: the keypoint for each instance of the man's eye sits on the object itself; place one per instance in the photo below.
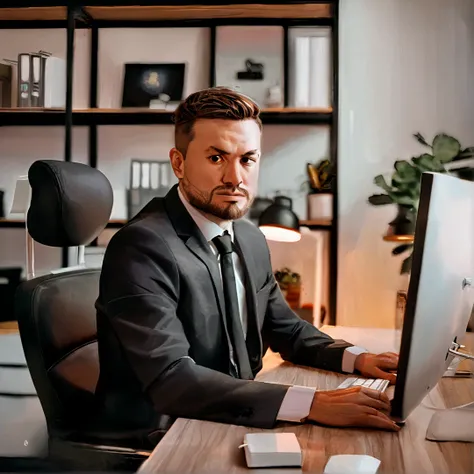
(215, 158)
(247, 161)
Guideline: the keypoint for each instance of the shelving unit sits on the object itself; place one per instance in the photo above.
(95, 15)
(131, 116)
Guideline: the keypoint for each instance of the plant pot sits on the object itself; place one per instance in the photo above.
(400, 308)
(464, 173)
(320, 206)
(401, 302)
(293, 295)
(404, 222)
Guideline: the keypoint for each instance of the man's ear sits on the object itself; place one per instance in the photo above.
(177, 162)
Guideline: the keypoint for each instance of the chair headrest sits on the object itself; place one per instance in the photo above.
(70, 204)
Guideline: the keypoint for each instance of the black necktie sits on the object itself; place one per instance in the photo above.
(234, 325)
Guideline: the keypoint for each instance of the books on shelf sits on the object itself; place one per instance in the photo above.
(311, 69)
(5, 85)
(41, 80)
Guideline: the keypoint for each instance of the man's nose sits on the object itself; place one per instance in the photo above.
(233, 174)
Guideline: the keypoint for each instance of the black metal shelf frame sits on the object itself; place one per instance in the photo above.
(96, 118)
(78, 18)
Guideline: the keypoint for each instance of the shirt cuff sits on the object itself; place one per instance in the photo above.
(349, 357)
(296, 404)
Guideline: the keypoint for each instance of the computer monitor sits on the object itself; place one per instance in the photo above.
(441, 291)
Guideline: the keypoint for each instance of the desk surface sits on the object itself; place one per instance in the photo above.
(206, 447)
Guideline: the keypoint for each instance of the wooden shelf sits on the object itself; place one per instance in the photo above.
(33, 14)
(20, 223)
(134, 116)
(407, 239)
(12, 223)
(321, 224)
(197, 12)
(117, 223)
(317, 224)
(137, 13)
(27, 110)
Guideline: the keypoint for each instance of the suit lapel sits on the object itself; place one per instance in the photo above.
(189, 232)
(201, 249)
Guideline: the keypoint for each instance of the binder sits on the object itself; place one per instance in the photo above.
(24, 97)
(148, 179)
(5, 85)
(36, 86)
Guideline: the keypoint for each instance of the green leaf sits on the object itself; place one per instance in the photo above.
(405, 172)
(401, 248)
(403, 187)
(381, 183)
(403, 199)
(380, 200)
(421, 140)
(406, 265)
(445, 148)
(427, 163)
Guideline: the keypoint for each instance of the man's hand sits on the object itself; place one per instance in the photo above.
(355, 406)
(377, 366)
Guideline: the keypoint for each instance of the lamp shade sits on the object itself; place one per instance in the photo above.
(279, 222)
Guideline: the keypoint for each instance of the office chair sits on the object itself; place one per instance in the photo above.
(9, 280)
(70, 206)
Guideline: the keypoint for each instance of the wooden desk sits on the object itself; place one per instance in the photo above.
(205, 447)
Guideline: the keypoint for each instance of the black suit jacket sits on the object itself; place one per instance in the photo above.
(161, 327)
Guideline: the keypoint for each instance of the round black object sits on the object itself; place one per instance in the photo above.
(279, 214)
(70, 205)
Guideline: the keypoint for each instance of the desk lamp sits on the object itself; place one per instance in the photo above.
(278, 221)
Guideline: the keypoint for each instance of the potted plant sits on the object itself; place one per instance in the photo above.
(403, 187)
(320, 197)
(290, 285)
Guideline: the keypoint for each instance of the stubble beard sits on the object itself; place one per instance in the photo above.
(203, 201)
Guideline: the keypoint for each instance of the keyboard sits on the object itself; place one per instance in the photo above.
(375, 384)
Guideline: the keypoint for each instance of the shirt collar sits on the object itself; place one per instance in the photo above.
(208, 228)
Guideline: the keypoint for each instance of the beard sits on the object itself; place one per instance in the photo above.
(203, 201)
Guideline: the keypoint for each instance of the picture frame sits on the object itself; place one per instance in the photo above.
(145, 84)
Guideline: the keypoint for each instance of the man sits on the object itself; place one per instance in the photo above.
(188, 302)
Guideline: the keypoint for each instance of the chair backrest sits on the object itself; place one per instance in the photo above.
(57, 323)
(70, 205)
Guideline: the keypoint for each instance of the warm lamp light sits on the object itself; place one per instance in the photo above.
(278, 222)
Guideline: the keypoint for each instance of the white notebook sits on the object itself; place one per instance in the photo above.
(272, 450)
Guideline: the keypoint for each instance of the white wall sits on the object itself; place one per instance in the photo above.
(286, 149)
(405, 67)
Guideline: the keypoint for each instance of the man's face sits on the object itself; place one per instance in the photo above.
(219, 175)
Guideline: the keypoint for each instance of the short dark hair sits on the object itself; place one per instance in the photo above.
(211, 103)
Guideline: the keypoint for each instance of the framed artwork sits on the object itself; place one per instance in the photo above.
(145, 83)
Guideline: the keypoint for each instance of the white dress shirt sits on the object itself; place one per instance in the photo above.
(297, 402)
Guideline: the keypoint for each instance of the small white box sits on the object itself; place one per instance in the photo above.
(272, 450)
